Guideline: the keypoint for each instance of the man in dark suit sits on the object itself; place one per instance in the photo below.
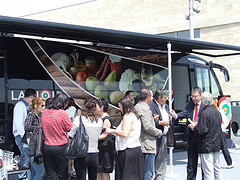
(160, 112)
(191, 112)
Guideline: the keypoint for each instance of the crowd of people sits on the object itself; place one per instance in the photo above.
(138, 143)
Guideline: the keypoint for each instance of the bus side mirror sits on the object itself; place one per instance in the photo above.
(221, 68)
(226, 75)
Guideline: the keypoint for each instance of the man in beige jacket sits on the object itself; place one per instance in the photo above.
(149, 132)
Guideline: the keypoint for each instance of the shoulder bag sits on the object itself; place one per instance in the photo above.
(170, 137)
(78, 146)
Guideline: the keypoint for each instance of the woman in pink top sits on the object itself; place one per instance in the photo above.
(56, 123)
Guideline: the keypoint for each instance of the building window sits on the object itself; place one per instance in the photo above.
(183, 34)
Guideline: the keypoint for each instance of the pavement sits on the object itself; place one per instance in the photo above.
(178, 170)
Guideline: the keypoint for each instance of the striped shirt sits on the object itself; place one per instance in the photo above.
(55, 125)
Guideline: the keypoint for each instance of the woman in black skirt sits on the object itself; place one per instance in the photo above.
(105, 143)
(129, 165)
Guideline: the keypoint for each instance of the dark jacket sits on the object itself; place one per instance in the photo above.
(32, 126)
(155, 110)
(208, 130)
(187, 112)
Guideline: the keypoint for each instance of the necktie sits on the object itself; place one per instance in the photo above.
(196, 114)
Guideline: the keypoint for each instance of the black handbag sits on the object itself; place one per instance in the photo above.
(78, 146)
(40, 141)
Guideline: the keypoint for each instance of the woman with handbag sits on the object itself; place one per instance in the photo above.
(130, 162)
(93, 125)
(55, 124)
(105, 143)
(32, 125)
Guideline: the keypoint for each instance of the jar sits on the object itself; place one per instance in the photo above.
(1, 158)
(115, 64)
(91, 66)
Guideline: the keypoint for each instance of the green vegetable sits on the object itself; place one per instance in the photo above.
(126, 79)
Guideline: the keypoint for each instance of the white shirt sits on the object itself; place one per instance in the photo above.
(132, 140)
(165, 116)
(71, 112)
(94, 130)
(19, 116)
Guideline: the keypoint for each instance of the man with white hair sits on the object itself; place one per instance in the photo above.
(208, 130)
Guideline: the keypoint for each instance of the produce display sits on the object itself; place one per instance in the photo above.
(107, 75)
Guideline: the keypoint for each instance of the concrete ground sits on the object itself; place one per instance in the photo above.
(178, 170)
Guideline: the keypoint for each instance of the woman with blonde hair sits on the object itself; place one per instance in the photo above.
(32, 124)
(225, 151)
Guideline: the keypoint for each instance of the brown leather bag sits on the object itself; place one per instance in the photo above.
(170, 137)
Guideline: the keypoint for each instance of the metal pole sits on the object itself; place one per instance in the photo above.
(169, 46)
(191, 24)
(171, 159)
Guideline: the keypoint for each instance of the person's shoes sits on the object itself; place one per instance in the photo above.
(73, 174)
(231, 166)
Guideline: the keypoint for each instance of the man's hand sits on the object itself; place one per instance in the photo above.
(192, 126)
(173, 114)
(156, 117)
(164, 123)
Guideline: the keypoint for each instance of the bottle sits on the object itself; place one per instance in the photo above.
(115, 64)
(91, 66)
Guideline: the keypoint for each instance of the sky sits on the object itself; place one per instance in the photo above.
(20, 8)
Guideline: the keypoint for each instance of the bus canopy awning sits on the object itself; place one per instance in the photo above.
(106, 36)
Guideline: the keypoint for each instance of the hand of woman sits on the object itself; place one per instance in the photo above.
(108, 130)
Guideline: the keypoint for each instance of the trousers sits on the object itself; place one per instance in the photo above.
(161, 160)
(24, 158)
(210, 166)
(56, 162)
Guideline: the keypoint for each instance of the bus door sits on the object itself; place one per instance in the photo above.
(181, 86)
(4, 123)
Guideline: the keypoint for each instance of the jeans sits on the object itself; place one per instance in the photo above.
(24, 158)
(55, 161)
(37, 170)
(90, 162)
(210, 166)
(149, 159)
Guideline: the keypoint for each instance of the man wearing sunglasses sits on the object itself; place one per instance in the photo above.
(191, 112)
